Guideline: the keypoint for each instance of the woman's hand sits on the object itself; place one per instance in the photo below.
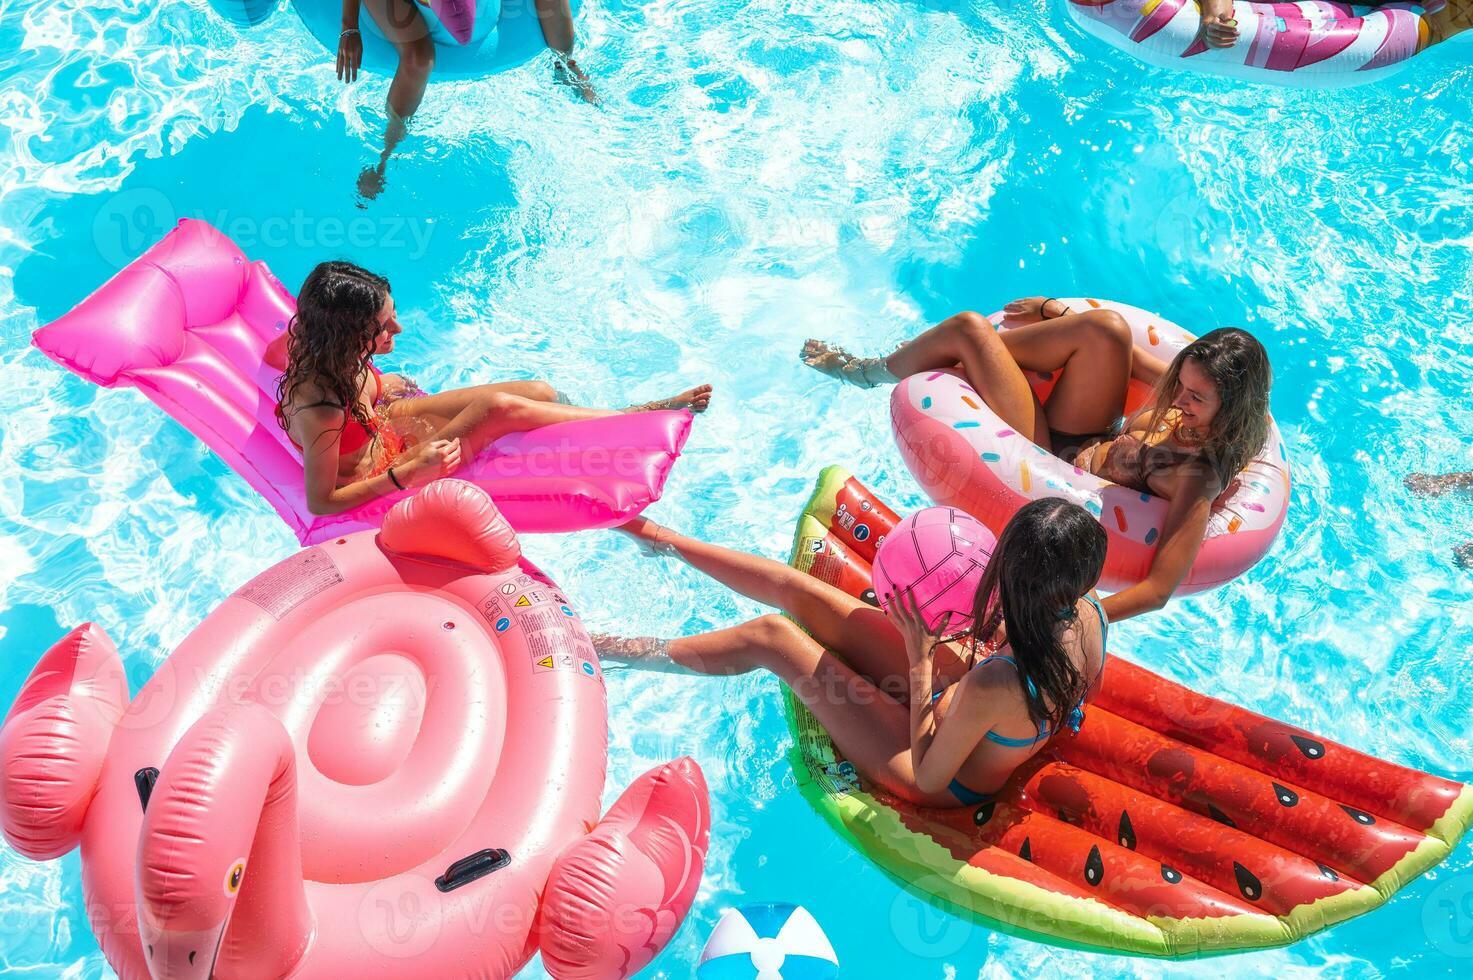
(1219, 27)
(1027, 306)
(350, 54)
(1037, 306)
(434, 459)
(905, 613)
(1432, 485)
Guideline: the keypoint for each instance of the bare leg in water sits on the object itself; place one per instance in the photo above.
(870, 728)
(556, 18)
(402, 24)
(1435, 485)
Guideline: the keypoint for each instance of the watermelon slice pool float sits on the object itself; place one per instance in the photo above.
(1172, 825)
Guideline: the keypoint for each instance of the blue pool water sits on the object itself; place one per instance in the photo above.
(758, 173)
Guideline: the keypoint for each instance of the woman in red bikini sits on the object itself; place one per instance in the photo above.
(368, 434)
(1208, 420)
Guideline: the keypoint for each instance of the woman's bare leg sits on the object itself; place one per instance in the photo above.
(556, 19)
(447, 404)
(405, 28)
(969, 340)
(870, 728)
(1092, 352)
(862, 634)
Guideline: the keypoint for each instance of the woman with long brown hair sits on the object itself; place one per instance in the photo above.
(1208, 419)
(365, 434)
(937, 722)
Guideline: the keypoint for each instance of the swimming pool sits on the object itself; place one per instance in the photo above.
(759, 173)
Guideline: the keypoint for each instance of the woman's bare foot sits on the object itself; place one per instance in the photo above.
(1436, 485)
(697, 399)
(1219, 27)
(640, 652)
(650, 537)
(566, 71)
(838, 363)
(370, 183)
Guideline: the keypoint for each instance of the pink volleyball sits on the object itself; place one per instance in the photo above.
(940, 552)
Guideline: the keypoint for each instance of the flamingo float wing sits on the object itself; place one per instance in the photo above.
(54, 740)
(616, 897)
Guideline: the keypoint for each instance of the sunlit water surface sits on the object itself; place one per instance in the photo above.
(760, 172)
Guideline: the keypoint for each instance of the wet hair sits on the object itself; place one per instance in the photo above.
(328, 338)
(1238, 368)
(1048, 557)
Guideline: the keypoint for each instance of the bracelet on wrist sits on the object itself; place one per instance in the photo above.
(394, 479)
(350, 30)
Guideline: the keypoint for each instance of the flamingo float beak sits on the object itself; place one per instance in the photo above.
(178, 954)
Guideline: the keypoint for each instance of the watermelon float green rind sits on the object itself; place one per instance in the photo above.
(927, 854)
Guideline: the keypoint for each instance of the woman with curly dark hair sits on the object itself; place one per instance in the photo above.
(1208, 419)
(365, 434)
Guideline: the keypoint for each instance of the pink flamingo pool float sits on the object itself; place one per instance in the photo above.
(381, 757)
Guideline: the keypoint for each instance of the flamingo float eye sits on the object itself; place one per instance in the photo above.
(233, 877)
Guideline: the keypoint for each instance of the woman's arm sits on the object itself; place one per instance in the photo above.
(319, 429)
(938, 751)
(1146, 367)
(350, 43)
(1191, 496)
(936, 754)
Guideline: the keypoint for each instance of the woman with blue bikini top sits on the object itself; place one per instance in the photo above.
(1036, 654)
(869, 676)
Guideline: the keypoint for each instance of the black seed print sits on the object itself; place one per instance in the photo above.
(1248, 883)
(1126, 834)
(1310, 748)
(1287, 797)
(1094, 867)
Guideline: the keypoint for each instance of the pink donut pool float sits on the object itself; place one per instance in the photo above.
(1314, 44)
(381, 757)
(964, 456)
(188, 323)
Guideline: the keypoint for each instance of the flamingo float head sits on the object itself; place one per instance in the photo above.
(221, 819)
(454, 521)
